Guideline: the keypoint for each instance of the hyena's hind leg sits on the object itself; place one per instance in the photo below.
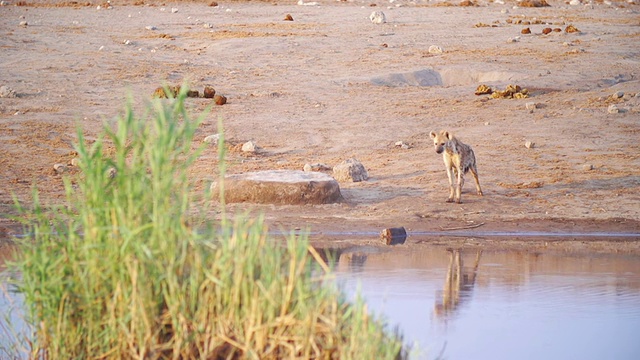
(474, 172)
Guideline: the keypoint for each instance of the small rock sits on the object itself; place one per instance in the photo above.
(350, 170)
(575, 2)
(587, 167)
(212, 139)
(75, 162)
(435, 49)
(207, 26)
(151, 27)
(220, 99)
(316, 167)
(174, 10)
(60, 168)
(288, 17)
(618, 95)
(7, 92)
(250, 146)
(525, 31)
(213, 4)
(613, 109)
(529, 144)
(209, 92)
(127, 42)
(4, 3)
(547, 30)
(531, 106)
(513, 39)
(557, 30)
(402, 145)
(378, 17)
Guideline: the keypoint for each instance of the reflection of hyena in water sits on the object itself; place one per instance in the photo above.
(458, 285)
(458, 160)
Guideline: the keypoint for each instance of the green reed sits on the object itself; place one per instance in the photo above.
(126, 270)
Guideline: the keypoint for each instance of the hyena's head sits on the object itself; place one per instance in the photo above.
(440, 139)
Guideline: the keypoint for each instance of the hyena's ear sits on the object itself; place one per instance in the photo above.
(432, 134)
(448, 135)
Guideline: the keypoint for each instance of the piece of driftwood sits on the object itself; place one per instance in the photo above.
(394, 236)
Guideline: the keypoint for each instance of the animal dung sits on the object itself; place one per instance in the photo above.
(547, 30)
(571, 29)
(220, 99)
(209, 92)
(526, 31)
(483, 90)
(394, 236)
(288, 17)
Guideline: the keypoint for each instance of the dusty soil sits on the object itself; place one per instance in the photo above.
(331, 85)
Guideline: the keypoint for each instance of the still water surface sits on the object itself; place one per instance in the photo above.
(468, 304)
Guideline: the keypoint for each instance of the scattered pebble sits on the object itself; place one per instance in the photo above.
(547, 30)
(151, 27)
(128, 42)
(378, 17)
(207, 26)
(7, 92)
(513, 39)
(60, 168)
(316, 167)
(75, 162)
(174, 10)
(525, 31)
(23, 23)
(587, 167)
(531, 106)
(402, 145)
(212, 139)
(250, 146)
(618, 95)
(213, 4)
(613, 109)
(288, 17)
(435, 49)
(529, 144)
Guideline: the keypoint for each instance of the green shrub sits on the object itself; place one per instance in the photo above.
(126, 270)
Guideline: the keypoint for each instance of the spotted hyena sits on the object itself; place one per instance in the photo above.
(458, 160)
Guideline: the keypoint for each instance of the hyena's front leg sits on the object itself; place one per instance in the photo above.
(459, 182)
(450, 174)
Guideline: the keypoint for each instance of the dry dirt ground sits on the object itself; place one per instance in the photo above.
(331, 85)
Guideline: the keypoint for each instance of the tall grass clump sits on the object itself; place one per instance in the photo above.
(124, 270)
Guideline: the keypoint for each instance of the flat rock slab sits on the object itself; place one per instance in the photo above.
(291, 187)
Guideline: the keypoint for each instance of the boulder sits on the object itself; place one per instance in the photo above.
(350, 170)
(282, 187)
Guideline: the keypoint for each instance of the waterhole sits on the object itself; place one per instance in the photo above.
(470, 304)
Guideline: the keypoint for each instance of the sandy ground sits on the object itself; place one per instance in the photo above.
(331, 85)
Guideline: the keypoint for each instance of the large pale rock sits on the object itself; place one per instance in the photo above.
(350, 170)
(292, 187)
